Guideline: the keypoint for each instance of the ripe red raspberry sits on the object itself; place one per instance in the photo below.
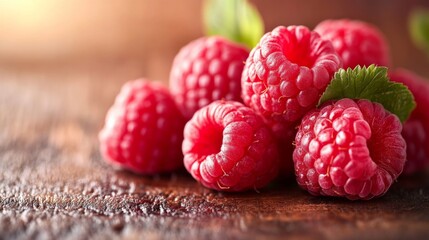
(357, 42)
(205, 70)
(286, 73)
(416, 128)
(351, 149)
(227, 147)
(286, 147)
(143, 130)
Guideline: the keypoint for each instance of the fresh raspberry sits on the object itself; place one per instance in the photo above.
(357, 42)
(143, 130)
(286, 73)
(205, 70)
(286, 147)
(415, 134)
(349, 148)
(227, 147)
(416, 128)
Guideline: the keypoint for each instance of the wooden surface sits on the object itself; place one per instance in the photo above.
(54, 184)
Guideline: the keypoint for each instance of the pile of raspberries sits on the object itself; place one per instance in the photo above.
(238, 119)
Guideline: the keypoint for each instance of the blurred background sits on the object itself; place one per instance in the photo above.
(125, 39)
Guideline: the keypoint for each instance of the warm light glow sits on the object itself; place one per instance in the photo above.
(60, 27)
(24, 13)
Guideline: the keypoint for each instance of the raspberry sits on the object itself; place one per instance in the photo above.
(286, 147)
(416, 128)
(205, 70)
(227, 147)
(349, 148)
(357, 42)
(286, 73)
(415, 134)
(143, 130)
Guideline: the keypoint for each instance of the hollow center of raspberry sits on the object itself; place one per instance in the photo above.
(211, 140)
(300, 55)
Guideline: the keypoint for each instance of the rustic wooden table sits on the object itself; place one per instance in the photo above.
(54, 184)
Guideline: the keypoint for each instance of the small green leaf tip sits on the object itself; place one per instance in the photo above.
(371, 83)
(419, 28)
(236, 20)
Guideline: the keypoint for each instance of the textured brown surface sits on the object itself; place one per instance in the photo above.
(54, 184)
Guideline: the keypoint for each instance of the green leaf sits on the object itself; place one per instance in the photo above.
(419, 28)
(371, 83)
(236, 20)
